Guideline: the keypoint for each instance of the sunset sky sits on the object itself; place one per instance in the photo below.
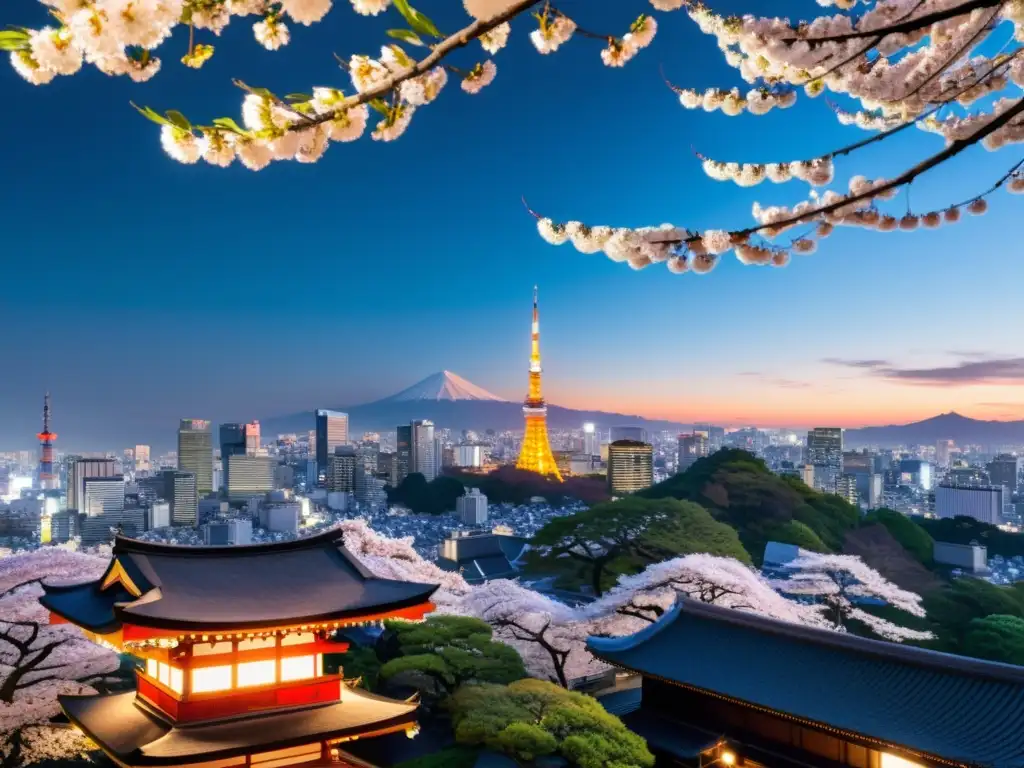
(139, 291)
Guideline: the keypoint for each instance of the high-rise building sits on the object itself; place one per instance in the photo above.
(331, 432)
(471, 508)
(195, 452)
(943, 449)
(825, 452)
(101, 495)
(987, 503)
(249, 476)
(232, 443)
(847, 488)
(629, 432)
(470, 455)
(630, 467)
(341, 470)
(591, 440)
(142, 461)
(1005, 469)
(387, 467)
(368, 489)
(178, 489)
(252, 438)
(424, 450)
(535, 454)
(403, 453)
(79, 469)
(691, 447)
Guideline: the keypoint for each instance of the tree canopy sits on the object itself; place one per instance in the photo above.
(531, 718)
(907, 532)
(997, 637)
(952, 610)
(965, 530)
(597, 545)
(427, 498)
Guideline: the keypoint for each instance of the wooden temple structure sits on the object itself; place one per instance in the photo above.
(728, 687)
(231, 642)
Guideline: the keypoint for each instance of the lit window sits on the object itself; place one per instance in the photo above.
(165, 674)
(151, 668)
(257, 673)
(298, 668)
(208, 679)
(177, 680)
(319, 664)
(893, 761)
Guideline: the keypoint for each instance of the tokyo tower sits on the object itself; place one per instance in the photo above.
(535, 455)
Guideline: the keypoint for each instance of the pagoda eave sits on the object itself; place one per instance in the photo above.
(132, 734)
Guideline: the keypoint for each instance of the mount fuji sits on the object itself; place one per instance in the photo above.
(451, 401)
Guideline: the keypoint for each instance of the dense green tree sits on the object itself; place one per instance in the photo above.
(531, 718)
(908, 533)
(438, 655)
(965, 530)
(997, 637)
(433, 498)
(599, 544)
(952, 610)
(795, 532)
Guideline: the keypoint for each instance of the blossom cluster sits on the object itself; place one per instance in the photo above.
(817, 172)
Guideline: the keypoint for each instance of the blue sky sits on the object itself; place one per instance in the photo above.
(139, 291)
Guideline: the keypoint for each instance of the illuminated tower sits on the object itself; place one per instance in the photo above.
(535, 455)
(47, 479)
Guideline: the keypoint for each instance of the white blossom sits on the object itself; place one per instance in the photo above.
(30, 69)
(182, 145)
(496, 39)
(618, 52)
(254, 154)
(366, 73)
(271, 33)
(552, 233)
(716, 241)
(394, 124)
(480, 77)
(306, 12)
(550, 36)
(53, 49)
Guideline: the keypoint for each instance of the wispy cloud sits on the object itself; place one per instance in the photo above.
(966, 373)
(775, 381)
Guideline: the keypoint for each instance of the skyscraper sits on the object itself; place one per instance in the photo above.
(232, 443)
(403, 453)
(331, 431)
(142, 462)
(691, 447)
(1005, 469)
(79, 469)
(635, 433)
(535, 455)
(341, 469)
(179, 490)
(249, 476)
(195, 452)
(252, 438)
(630, 467)
(424, 457)
(591, 443)
(825, 452)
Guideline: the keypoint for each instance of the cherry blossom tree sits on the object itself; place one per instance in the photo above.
(889, 65)
(39, 661)
(838, 581)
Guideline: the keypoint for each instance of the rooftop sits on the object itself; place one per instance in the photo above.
(953, 708)
(233, 587)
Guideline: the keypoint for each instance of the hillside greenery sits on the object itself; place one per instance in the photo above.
(738, 489)
(597, 545)
(912, 536)
(964, 530)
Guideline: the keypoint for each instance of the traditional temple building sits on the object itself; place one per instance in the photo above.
(535, 454)
(231, 642)
(730, 687)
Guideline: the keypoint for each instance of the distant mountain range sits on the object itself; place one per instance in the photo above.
(947, 426)
(451, 401)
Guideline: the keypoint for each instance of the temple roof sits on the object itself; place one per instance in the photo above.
(236, 587)
(136, 736)
(950, 707)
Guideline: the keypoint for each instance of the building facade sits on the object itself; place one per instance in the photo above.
(471, 507)
(825, 453)
(79, 468)
(178, 489)
(331, 432)
(195, 452)
(424, 458)
(986, 503)
(691, 447)
(630, 467)
(101, 495)
(403, 453)
(341, 472)
(1004, 469)
(249, 476)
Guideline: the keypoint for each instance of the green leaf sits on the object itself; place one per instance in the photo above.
(425, 26)
(178, 120)
(13, 40)
(406, 35)
(228, 124)
(406, 10)
(298, 97)
(401, 56)
(381, 106)
(152, 115)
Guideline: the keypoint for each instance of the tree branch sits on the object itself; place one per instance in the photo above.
(902, 27)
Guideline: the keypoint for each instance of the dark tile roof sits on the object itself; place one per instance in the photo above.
(685, 742)
(295, 582)
(136, 736)
(962, 710)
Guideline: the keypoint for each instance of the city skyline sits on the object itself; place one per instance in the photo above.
(189, 273)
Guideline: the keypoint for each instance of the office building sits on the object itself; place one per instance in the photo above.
(943, 451)
(825, 452)
(403, 453)
(211, 508)
(281, 518)
(101, 529)
(249, 476)
(916, 473)
(101, 495)
(143, 465)
(158, 515)
(966, 476)
(591, 440)
(368, 488)
(1004, 469)
(232, 443)
(970, 557)
(691, 447)
(252, 439)
(470, 455)
(477, 555)
(424, 446)
(634, 433)
(341, 470)
(387, 467)
(64, 526)
(630, 467)
(195, 453)
(178, 489)
(228, 533)
(847, 488)
(331, 432)
(471, 507)
(986, 503)
(79, 468)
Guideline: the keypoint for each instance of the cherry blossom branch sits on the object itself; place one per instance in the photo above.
(451, 43)
(901, 27)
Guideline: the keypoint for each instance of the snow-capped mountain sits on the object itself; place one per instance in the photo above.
(443, 386)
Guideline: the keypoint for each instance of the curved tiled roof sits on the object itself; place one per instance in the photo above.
(236, 587)
(957, 709)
